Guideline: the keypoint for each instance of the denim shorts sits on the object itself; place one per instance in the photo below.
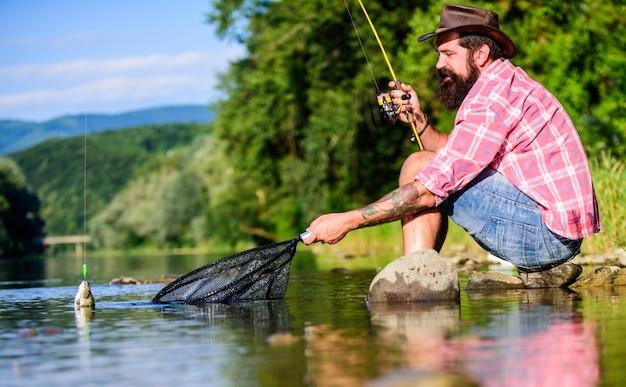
(507, 223)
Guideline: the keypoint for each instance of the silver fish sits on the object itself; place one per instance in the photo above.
(84, 298)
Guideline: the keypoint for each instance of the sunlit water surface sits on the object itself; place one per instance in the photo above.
(507, 338)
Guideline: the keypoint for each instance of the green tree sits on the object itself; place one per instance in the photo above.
(21, 227)
(156, 209)
(300, 122)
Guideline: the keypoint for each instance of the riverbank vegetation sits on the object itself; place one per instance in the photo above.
(21, 226)
(54, 169)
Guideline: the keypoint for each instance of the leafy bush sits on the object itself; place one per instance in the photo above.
(21, 227)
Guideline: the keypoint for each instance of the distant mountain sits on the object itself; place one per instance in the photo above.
(54, 168)
(16, 135)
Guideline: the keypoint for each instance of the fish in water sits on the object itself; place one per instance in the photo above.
(84, 298)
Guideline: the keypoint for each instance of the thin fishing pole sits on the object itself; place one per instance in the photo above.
(84, 269)
(393, 73)
(380, 43)
(369, 66)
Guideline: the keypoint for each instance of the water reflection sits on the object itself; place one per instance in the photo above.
(505, 338)
(265, 317)
(423, 331)
(83, 317)
(514, 338)
(22, 269)
(243, 333)
(337, 357)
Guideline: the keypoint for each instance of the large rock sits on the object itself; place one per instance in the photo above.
(420, 276)
(605, 276)
(493, 280)
(558, 277)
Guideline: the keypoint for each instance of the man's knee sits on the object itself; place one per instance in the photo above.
(413, 164)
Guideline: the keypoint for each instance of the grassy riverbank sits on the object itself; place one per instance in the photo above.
(609, 175)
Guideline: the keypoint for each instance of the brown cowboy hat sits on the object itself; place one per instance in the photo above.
(479, 21)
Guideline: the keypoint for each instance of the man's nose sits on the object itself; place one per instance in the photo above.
(440, 63)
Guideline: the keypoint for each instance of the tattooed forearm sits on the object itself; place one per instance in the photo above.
(368, 211)
(393, 206)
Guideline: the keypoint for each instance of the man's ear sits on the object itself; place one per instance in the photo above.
(481, 56)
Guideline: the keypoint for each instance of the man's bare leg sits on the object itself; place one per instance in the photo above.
(425, 230)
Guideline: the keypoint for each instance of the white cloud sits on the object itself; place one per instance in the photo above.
(92, 85)
(109, 89)
(94, 67)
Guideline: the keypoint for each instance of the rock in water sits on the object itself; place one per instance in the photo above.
(123, 280)
(557, 277)
(84, 298)
(419, 276)
(282, 339)
(493, 280)
(605, 276)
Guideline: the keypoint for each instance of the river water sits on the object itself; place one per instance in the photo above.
(322, 334)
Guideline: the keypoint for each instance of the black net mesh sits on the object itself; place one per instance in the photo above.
(261, 273)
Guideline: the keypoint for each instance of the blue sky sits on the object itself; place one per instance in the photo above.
(70, 57)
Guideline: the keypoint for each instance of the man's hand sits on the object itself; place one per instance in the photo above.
(410, 109)
(331, 228)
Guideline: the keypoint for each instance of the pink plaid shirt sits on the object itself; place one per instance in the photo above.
(511, 123)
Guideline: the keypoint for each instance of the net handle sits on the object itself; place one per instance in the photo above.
(305, 235)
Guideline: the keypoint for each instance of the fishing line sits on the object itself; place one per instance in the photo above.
(369, 66)
(84, 269)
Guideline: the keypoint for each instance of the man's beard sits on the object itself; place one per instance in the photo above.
(453, 88)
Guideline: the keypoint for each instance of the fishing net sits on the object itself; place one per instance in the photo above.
(261, 273)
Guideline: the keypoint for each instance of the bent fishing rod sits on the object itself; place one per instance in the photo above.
(387, 108)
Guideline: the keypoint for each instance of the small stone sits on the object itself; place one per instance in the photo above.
(602, 277)
(166, 279)
(282, 339)
(419, 276)
(493, 280)
(558, 277)
(123, 280)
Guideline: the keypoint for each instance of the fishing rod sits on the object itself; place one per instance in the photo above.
(387, 108)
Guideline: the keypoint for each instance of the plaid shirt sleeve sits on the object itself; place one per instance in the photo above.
(477, 138)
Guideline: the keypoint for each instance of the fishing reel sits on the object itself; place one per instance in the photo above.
(391, 111)
(387, 108)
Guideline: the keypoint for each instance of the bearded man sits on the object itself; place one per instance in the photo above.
(512, 172)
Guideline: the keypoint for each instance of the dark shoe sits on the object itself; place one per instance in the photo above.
(558, 277)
